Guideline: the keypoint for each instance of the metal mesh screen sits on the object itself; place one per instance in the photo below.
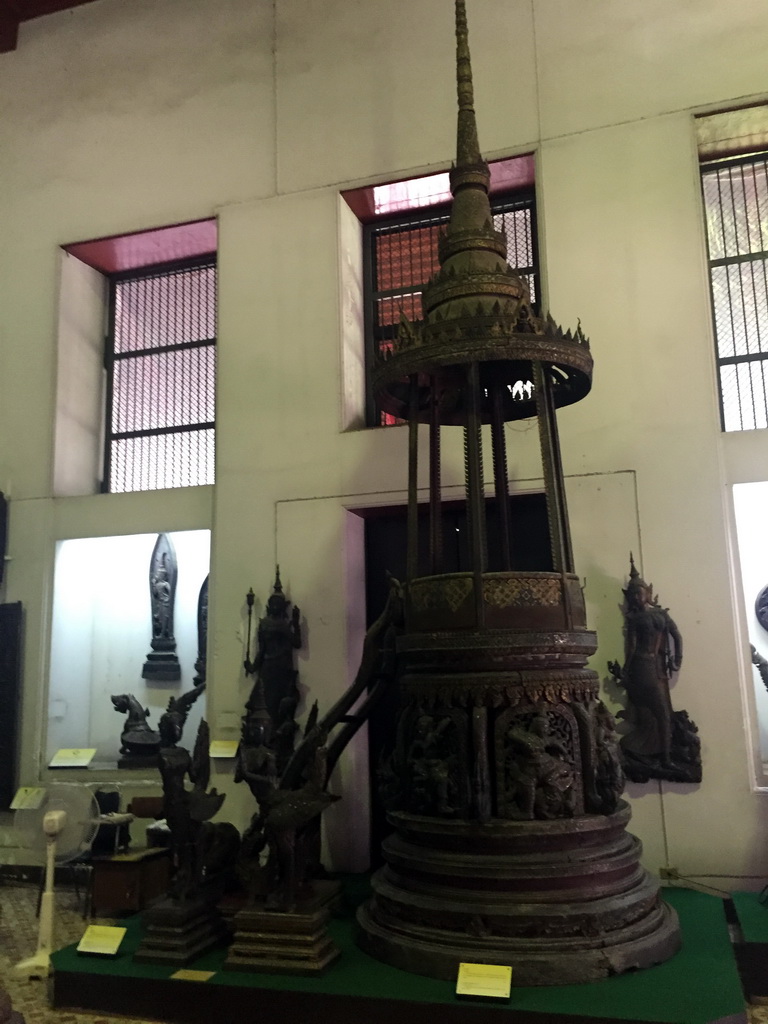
(736, 209)
(161, 364)
(401, 254)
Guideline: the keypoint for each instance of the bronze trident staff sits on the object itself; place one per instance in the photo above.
(248, 664)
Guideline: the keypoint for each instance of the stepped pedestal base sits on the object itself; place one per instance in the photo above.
(295, 942)
(177, 934)
(162, 666)
(138, 761)
(563, 901)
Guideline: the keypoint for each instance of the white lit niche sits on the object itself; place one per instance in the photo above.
(101, 633)
(750, 503)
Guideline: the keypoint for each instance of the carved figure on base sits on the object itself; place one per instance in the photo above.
(430, 762)
(539, 778)
(609, 774)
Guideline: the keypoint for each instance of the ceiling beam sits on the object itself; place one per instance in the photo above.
(9, 26)
(12, 12)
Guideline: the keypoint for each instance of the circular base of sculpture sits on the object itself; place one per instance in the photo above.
(562, 966)
(563, 901)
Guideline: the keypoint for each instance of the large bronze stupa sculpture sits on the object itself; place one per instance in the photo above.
(504, 785)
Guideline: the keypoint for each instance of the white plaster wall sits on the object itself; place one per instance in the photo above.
(77, 458)
(115, 120)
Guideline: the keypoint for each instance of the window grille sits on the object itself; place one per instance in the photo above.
(400, 255)
(736, 209)
(161, 377)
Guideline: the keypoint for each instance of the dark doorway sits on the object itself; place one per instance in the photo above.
(385, 552)
(10, 688)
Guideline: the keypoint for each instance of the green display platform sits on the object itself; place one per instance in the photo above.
(698, 986)
(752, 915)
(752, 951)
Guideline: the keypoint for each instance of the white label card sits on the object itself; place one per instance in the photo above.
(28, 798)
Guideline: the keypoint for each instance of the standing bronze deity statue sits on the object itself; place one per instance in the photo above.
(661, 743)
(275, 696)
(278, 856)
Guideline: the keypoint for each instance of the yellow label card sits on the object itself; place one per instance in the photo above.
(101, 938)
(74, 757)
(28, 798)
(223, 748)
(489, 981)
(186, 975)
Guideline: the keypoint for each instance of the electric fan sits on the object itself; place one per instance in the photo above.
(64, 826)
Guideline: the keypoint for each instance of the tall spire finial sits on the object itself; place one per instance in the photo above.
(467, 144)
(476, 307)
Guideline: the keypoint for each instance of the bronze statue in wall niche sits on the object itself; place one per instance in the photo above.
(202, 633)
(661, 743)
(162, 663)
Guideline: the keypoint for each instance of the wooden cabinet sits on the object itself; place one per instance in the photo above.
(127, 882)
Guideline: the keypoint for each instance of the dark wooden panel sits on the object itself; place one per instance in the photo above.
(3, 533)
(28, 9)
(189, 1002)
(12, 12)
(10, 690)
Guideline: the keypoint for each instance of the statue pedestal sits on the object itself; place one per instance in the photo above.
(563, 901)
(162, 666)
(7, 1013)
(178, 933)
(137, 761)
(289, 942)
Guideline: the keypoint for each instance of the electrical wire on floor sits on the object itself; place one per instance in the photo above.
(693, 883)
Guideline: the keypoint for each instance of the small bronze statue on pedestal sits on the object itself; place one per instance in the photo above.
(139, 745)
(661, 743)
